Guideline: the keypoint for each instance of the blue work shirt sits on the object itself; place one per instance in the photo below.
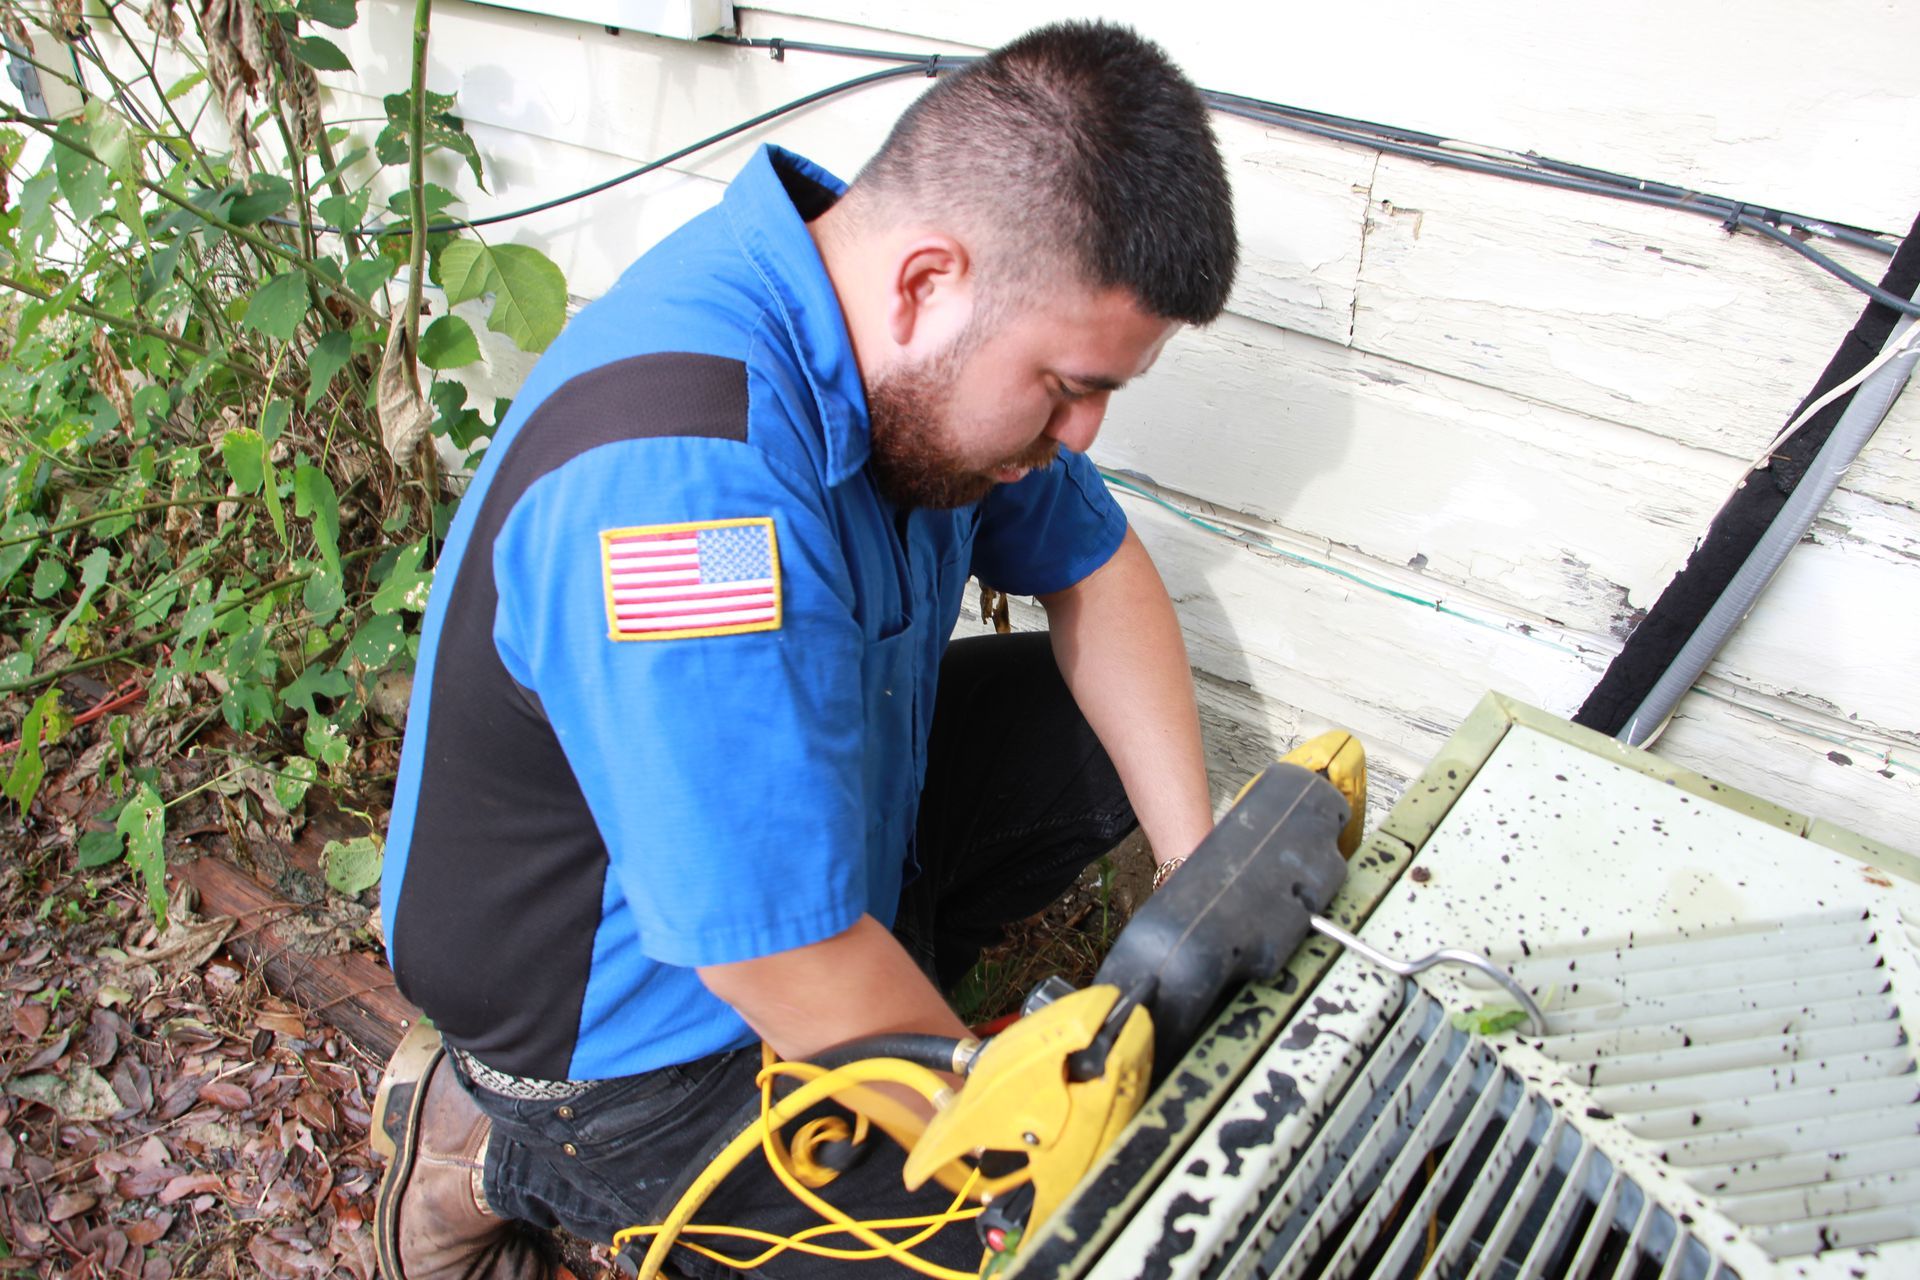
(678, 666)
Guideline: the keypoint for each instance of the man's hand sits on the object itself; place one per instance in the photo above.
(1118, 644)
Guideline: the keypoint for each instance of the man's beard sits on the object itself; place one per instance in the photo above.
(913, 462)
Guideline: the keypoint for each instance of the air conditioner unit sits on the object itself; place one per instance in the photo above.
(1726, 1088)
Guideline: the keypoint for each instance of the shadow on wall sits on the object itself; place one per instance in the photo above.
(1220, 416)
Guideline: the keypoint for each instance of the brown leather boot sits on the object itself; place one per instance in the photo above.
(433, 1220)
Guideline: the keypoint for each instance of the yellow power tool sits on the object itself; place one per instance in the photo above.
(1046, 1097)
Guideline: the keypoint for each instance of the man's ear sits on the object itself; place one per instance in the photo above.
(930, 295)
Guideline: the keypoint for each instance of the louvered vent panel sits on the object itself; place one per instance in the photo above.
(1435, 1159)
(1767, 1067)
(1728, 1085)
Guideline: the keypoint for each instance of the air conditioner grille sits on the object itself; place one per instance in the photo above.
(1783, 1088)
(1436, 1159)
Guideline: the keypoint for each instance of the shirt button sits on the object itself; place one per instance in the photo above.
(566, 1113)
(570, 1149)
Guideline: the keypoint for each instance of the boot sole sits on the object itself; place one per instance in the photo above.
(386, 1232)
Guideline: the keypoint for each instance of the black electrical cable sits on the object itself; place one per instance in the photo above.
(1435, 149)
(1413, 144)
(1731, 214)
(764, 117)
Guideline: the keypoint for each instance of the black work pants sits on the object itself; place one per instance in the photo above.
(1019, 797)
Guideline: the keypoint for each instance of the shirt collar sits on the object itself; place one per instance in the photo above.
(767, 207)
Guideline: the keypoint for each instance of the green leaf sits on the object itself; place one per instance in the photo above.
(338, 14)
(434, 200)
(352, 866)
(1489, 1020)
(108, 138)
(320, 53)
(444, 131)
(366, 276)
(317, 680)
(270, 487)
(324, 741)
(342, 161)
(247, 705)
(36, 209)
(82, 181)
(345, 212)
(144, 823)
(245, 452)
(290, 785)
(48, 577)
(452, 418)
(448, 343)
(323, 596)
(264, 195)
(98, 848)
(158, 267)
(278, 306)
(11, 558)
(23, 780)
(324, 363)
(378, 641)
(530, 292)
(153, 606)
(465, 271)
(315, 500)
(185, 85)
(407, 585)
(93, 576)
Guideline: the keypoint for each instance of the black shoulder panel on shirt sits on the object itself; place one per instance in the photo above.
(494, 932)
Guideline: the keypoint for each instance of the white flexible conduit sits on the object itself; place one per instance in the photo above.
(1862, 418)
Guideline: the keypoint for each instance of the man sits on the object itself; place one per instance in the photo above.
(690, 763)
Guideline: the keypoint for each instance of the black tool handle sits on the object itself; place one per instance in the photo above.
(1236, 911)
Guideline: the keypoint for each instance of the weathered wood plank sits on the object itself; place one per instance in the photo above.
(1301, 204)
(1772, 109)
(1810, 764)
(1318, 649)
(1563, 516)
(1648, 317)
(1838, 630)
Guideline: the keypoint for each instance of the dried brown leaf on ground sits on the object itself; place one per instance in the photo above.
(161, 1115)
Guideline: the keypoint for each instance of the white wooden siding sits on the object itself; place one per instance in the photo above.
(1521, 404)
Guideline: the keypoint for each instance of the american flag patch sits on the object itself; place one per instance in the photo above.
(678, 581)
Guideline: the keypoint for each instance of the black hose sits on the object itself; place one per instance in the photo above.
(933, 1052)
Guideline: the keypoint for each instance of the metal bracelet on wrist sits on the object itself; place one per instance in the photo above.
(1165, 869)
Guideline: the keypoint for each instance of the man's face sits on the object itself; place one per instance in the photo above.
(1022, 380)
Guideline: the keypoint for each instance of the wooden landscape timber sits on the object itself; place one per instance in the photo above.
(351, 990)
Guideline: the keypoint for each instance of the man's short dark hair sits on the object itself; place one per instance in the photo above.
(1078, 144)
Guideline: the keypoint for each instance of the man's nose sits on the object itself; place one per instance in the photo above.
(1075, 423)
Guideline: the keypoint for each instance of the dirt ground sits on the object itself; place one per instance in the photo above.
(164, 1114)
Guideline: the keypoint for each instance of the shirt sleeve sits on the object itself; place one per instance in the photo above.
(723, 770)
(1049, 530)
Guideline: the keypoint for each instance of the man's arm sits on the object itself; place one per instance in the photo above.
(858, 983)
(855, 984)
(1118, 645)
